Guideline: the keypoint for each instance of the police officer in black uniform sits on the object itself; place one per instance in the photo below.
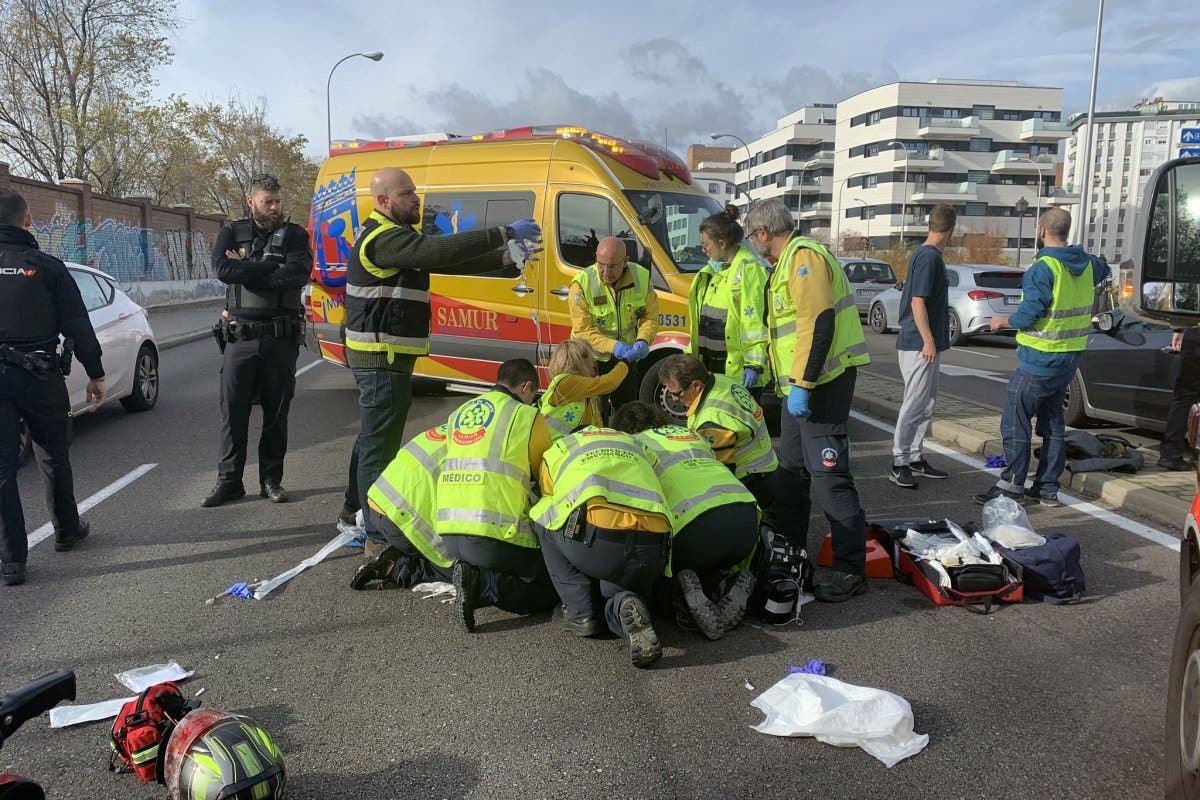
(38, 301)
(266, 262)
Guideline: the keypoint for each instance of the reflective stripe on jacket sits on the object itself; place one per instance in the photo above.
(406, 493)
(1067, 321)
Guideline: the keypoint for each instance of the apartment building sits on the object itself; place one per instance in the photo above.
(987, 148)
(795, 162)
(1127, 146)
(712, 171)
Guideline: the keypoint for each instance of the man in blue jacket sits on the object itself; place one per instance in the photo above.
(1052, 324)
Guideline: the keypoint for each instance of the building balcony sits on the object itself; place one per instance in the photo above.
(945, 192)
(932, 127)
(1043, 130)
(821, 159)
(792, 185)
(1060, 196)
(1011, 163)
(823, 209)
(902, 224)
(931, 159)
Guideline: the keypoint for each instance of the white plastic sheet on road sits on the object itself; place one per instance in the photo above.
(279, 580)
(65, 716)
(841, 714)
(142, 678)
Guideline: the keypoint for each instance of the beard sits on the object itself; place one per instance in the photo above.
(411, 218)
(267, 222)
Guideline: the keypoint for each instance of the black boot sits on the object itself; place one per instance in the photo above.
(378, 568)
(840, 586)
(64, 543)
(12, 574)
(222, 494)
(466, 594)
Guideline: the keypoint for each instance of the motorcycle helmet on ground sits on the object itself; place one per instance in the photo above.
(215, 755)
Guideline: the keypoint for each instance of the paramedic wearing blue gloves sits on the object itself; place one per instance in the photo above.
(615, 310)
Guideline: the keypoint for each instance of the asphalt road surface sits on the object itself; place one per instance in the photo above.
(378, 694)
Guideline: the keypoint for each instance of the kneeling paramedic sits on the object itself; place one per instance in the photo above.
(495, 445)
(604, 529)
(401, 508)
(714, 519)
(725, 414)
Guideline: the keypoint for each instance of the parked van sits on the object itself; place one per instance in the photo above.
(579, 185)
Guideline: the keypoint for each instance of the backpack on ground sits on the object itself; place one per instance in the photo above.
(1053, 572)
(141, 730)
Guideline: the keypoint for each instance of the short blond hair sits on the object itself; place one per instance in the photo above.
(571, 357)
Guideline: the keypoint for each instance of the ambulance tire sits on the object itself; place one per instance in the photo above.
(652, 391)
(1183, 688)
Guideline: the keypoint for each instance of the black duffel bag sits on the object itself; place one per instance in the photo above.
(1053, 572)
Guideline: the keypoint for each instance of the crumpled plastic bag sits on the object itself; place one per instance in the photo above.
(841, 714)
(1007, 524)
(140, 679)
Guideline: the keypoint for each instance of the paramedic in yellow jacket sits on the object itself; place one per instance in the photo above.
(615, 310)
(817, 345)
(570, 401)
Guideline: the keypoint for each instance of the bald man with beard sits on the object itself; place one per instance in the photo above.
(387, 308)
(615, 310)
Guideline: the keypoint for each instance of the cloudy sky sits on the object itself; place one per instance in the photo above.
(655, 69)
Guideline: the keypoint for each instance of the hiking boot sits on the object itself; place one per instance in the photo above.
(991, 494)
(580, 627)
(731, 609)
(927, 470)
(378, 568)
(12, 574)
(222, 494)
(699, 606)
(638, 632)
(64, 543)
(272, 491)
(466, 594)
(902, 476)
(839, 587)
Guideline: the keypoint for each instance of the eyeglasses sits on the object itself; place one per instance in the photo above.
(677, 394)
(614, 266)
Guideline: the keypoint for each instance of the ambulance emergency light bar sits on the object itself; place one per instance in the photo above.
(645, 158)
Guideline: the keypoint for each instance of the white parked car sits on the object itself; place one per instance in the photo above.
(130, 352)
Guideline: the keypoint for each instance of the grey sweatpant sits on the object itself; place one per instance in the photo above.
(920, 393)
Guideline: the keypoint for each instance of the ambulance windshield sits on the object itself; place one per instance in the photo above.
(677, 229)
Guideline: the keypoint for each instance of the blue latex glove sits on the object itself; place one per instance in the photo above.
(526, 229)
(639, 350)
(241, 590)
(623, 352)
(749, 377)
(797, 403)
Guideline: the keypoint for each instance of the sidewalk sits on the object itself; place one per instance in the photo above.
(1163, 497)
(179, 325)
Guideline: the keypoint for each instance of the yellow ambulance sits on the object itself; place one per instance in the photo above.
(579, 185)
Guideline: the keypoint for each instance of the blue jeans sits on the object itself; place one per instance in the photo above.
(384, 397)
(1032, 396)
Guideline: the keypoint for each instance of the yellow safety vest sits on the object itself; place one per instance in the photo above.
(406, 493)
(734, 297)
(598, 462)
(564, 419)
(483, 487)
(692, 479)
(387, 310)
(727, 405)
(1066, 324)
(849, 346)
(617, 315)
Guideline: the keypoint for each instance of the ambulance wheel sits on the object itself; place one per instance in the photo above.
(1183, 704)
(652, 391)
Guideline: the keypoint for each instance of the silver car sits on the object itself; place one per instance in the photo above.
(868, 277)
(978, 292)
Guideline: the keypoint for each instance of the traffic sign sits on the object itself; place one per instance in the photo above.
(1189, 136)
(1189, 152)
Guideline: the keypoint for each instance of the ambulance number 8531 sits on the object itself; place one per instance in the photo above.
(673, 320)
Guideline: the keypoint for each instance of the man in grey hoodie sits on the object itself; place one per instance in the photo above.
(1052, 324)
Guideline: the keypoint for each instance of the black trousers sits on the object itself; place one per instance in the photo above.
(626, 392)
(1187, 392)
(259, 369)
(814, 457)
(43, 403)
(718, 539)
(601, 567)
(412, 567)
(512, 578)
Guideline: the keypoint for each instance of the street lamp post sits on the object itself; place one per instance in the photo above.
(867, 216)
(837, 238)
(749, 158)
(374, 55)
(1086, 188)
(904, 198)
(1022, 205)
(1038, 167)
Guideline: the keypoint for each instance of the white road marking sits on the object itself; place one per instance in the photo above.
(974, 352)
(986, 374)
(1103, 514)
(46, 530)
(309, 366)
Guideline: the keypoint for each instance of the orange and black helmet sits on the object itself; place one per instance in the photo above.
(215, 755)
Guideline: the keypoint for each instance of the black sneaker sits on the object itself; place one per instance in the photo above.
(902, 476)
(12, 574)
(466, 594)
(699, 606)
(580, 627)
(839, 587)
(991, 494)
(64, 543)
(222, 494)
(638, 632)
(1036, 494)
(927, 470)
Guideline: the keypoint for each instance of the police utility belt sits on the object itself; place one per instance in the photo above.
(39, 362)
(238, 330)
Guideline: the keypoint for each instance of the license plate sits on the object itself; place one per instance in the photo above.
(1012, 301)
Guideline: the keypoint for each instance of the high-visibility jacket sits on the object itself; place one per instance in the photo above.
(619, 316)
(483, 487)
(727, 405)
(564, 419)
(1067, 322)
(727, 317)
(598, 462)
(387, 310)
(849, 346)
(692, 479)
(406, 493)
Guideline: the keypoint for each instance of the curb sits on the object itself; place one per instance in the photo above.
(180, 339)
(1117, 492)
